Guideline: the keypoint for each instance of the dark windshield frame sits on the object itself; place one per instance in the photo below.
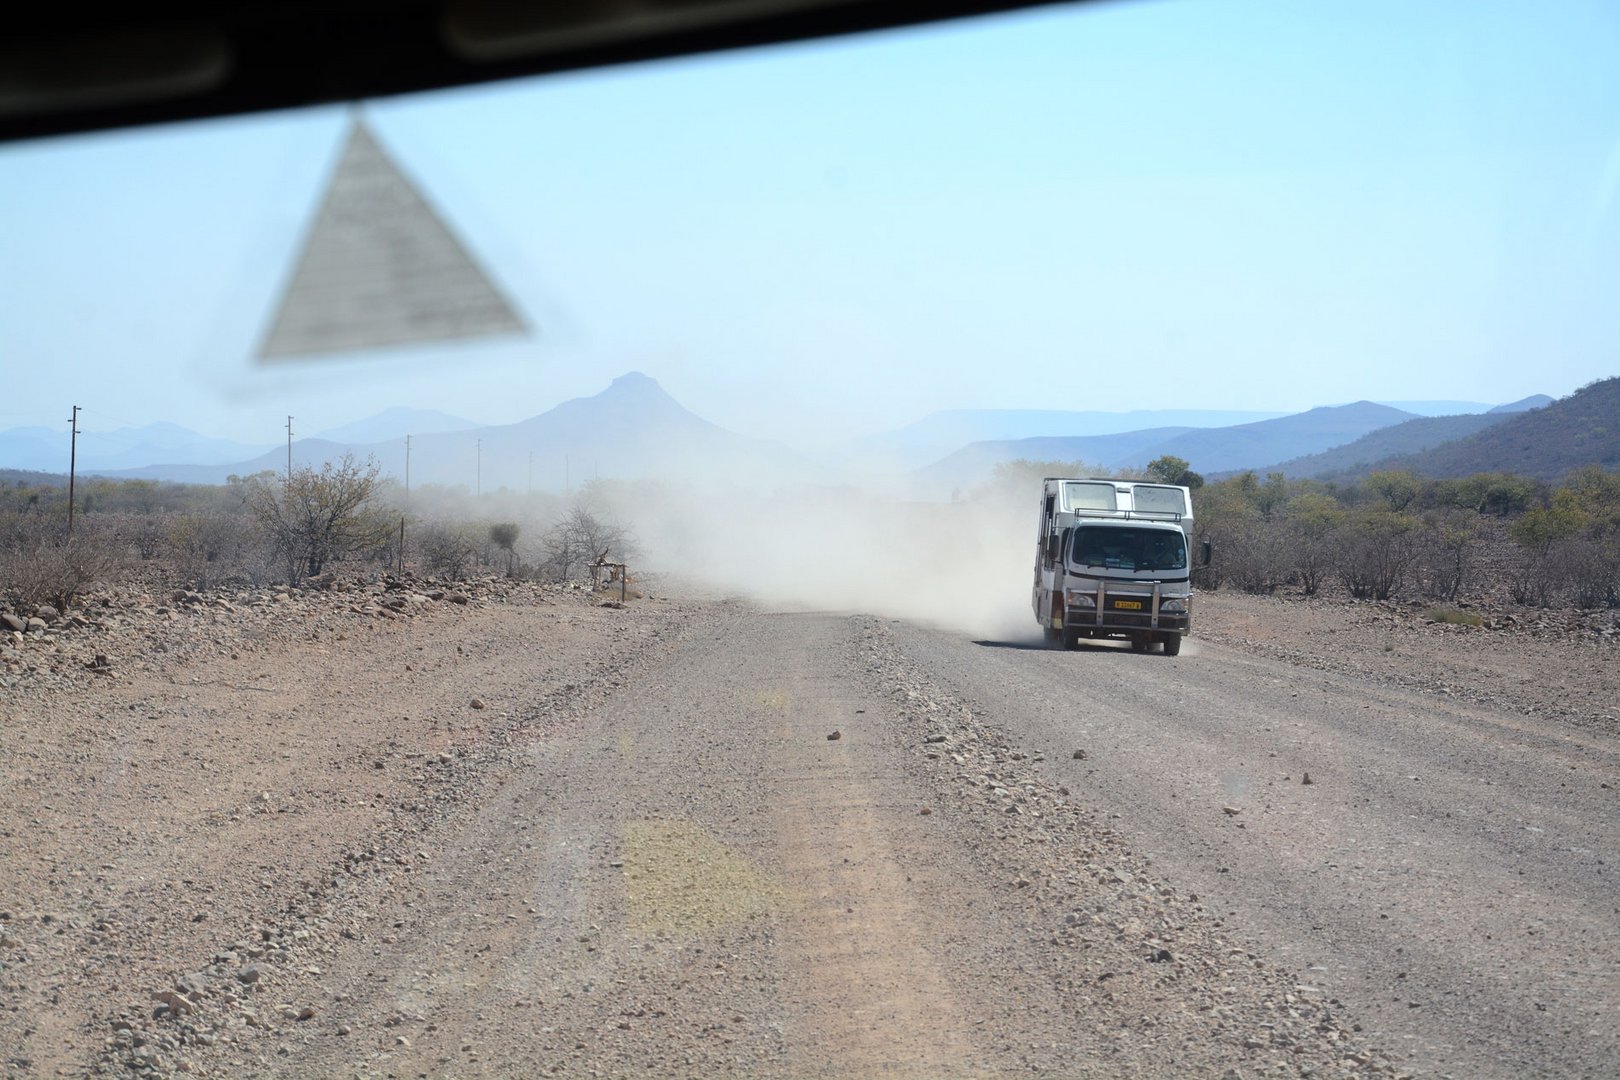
(1128, 547)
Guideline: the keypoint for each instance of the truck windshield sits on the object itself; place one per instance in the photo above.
(1130, 549)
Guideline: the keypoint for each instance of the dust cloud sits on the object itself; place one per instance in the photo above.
(962, 565)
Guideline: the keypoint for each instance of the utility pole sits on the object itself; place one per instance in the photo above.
(478, 477)
(289, 449)
(407, 506)
(73, 462)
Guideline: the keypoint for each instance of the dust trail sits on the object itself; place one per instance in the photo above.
(961, 565)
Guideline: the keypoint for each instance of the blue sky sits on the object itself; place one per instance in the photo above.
(1160, 203)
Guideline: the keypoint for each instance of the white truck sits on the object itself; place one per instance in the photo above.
(1112, 561)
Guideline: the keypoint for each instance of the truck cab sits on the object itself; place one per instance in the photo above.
(1113, 560)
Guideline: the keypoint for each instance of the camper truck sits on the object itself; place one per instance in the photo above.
(1113, 560)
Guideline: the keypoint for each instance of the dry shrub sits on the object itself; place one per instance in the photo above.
(41, 564)
(1374, 552)
(446, 550)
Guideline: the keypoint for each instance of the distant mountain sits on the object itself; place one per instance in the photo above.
(1361, 456)
(942, 432)
(1439, 408)
(633, 429)
(99, 451)
(1208, 450)
(305, 452)
(974, 463)
(1248, 446)
(1534, 401)
(1545, 443)
(396, 423)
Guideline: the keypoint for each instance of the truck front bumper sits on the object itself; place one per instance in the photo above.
(1085, 621)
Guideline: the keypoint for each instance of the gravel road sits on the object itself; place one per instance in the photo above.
(705, 839)
(1448, 872)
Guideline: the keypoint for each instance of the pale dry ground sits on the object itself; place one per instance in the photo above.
(645, 857)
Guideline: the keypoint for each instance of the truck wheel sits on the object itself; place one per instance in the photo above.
(1141, 643)
(1052, 636)
(1071, 638)
(1172, 645)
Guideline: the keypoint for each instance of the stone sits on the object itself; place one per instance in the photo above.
(478, 703)
(1306, 779)
(1079, 755)
(250, 975)
(36, 625)
(176, 1002)
(12, 622)
(1231, 811)
(47, 612)
(835, 736)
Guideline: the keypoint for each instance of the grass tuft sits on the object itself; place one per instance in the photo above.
(1453, 616)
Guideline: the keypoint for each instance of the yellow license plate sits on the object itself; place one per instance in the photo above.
(1128, 605)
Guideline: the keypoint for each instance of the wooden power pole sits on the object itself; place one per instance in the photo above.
(73, 462)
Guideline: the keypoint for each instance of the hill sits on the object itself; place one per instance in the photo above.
(1239, 446)
(633, 429)
(1545, 443)
(941, 433)
(1534, 401)
(396, 423)
(1362, 456)
(1248, 446)
(46, 449)
(974, 463)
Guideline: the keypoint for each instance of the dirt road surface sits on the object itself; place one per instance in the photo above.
(524, 834)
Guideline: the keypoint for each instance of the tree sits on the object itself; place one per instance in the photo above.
(579, 539)
(504, 535)
(1397, 488)
(313, 518)
(1170, 469)
(1311, 522)
(1374, 551)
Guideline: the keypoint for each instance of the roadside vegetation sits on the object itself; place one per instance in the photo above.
(1397, 535)
(271, 528)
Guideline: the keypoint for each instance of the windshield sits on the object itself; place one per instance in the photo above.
(619, 574)
(1130, 549)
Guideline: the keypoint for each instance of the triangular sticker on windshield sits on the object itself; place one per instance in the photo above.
(379, 267)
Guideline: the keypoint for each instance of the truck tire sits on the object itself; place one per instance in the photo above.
(1052, 636)
(1141, 643)
(1172, 645)
(1071, 638)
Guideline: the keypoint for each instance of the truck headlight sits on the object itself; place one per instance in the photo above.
(1082, 600)
(1173, 607)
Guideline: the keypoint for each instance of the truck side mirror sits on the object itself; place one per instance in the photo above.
(1207, 550)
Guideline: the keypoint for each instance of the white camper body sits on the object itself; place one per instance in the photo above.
(1113, 559)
